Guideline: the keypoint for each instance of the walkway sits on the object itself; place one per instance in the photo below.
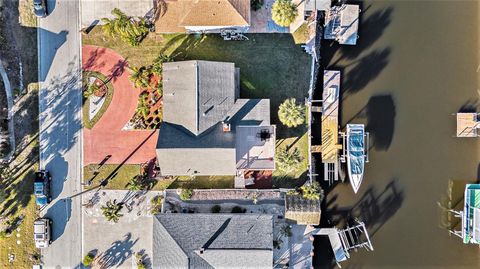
(107, 137)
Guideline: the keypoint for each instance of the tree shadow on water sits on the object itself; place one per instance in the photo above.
(366, 69)
(118, 253)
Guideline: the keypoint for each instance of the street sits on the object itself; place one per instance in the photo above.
(60, 100)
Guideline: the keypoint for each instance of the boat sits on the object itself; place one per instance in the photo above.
(355, 137)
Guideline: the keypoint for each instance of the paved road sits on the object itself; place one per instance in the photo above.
(60, 128)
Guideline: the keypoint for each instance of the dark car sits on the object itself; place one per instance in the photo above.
(41, 187)
(40, 8)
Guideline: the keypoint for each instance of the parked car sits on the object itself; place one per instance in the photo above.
(40, 8)
(42, 232)
(41, 187)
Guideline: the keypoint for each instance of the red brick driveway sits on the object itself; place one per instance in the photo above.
(107, 137)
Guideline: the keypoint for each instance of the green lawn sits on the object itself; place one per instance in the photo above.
(271, 66)
(127, 171)
(118, 178)
(203, 182)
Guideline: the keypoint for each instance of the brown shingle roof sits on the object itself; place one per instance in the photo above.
(183, 13)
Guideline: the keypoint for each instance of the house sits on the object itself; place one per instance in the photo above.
(212, 241)
(207, 129)
(179, 16)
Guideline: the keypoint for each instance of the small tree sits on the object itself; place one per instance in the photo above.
(284, 12)
(216, 209)
(186, 194)
(128, 29)
(111, 211)
(312, 191)
(88, 259)
(288, 161)
(139, 261)
(291, 114)
(157, 66)
(140, 76)
(136, 183)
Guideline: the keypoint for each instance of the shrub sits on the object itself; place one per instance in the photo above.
(312, 191)
(256, 4)
(186, 194)
(156, 204)
(288, 161)
(216, 209)
(238, 209)
(88, 259)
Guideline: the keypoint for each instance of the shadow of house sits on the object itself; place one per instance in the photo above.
(380, 111)
(56, 40)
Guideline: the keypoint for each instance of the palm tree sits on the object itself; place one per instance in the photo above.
(312, 191)
(140, 76)
(288, 161)
(111, 211)
(291, 114)
(128, 29)
(284, 12)
(157, 66)
(136, 183)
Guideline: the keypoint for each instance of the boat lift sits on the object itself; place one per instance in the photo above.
(344, 240)
(343, 137)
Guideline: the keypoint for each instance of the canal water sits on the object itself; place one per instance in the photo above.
(416, 63)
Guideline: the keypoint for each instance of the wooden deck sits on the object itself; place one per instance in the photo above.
(467, 125)
(331, 94)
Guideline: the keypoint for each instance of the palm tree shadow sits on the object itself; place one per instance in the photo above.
(118, 253)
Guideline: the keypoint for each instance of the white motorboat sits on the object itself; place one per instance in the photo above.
(355, 137)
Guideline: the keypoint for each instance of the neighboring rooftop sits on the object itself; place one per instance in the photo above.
(212, 241)
(183, 15)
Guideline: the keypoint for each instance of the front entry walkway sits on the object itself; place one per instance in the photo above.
(107, 137)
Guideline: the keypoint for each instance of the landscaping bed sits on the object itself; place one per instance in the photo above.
(97, 88)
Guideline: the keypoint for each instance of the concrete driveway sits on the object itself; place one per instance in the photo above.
(116, 243)
(93, 10)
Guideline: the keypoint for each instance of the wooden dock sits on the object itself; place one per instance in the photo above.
(467, 125)
(341, 24)
(331, 95)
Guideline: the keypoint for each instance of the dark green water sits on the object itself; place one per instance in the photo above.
(415, 64)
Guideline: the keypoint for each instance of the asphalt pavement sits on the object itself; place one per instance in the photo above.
(60, 100)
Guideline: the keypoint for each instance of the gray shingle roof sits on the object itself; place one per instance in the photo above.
(197, 94)
(225, 238)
